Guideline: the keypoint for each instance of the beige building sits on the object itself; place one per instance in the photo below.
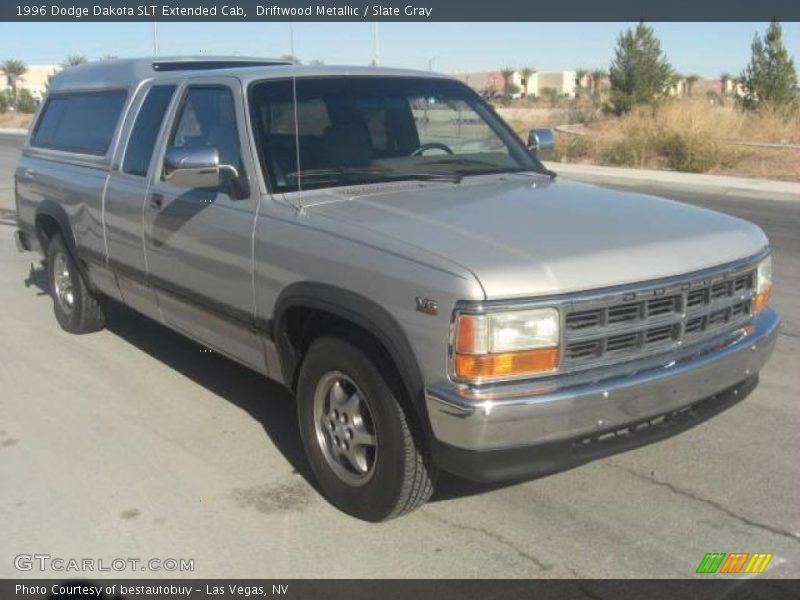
(563, 82)
(34, 80)
(492, 82)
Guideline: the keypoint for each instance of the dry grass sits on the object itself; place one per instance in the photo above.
(523, 119)
(15, 120)
(691, 136)
(765, 163)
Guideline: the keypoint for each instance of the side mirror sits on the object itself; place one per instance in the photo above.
(542, 143)
(195, 168)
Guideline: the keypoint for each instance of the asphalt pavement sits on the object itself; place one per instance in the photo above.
(132, 443)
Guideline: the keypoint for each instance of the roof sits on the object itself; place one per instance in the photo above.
(126, 73)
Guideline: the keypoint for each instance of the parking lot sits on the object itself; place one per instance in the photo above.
(134, 443)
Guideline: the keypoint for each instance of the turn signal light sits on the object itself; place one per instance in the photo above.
(478, 367)
(763, 285)
(762, 299)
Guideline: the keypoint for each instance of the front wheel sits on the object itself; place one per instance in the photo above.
(363, 444)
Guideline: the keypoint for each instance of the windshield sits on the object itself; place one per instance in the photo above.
(349, 130)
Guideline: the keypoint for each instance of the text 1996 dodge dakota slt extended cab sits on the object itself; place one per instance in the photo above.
(384, 245)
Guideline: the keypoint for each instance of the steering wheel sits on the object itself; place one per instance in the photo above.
(432, 146)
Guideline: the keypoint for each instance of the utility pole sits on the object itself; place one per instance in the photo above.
(376, 48)
(155, 38)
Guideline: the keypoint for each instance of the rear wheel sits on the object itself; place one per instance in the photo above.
(363, 444)
(77, 310)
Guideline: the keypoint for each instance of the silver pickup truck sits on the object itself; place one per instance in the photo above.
(384, 245)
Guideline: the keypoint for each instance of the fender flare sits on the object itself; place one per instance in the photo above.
(55, 211)
(363, 312)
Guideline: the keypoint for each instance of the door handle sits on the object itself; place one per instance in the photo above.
(156, 201)
(28, 173)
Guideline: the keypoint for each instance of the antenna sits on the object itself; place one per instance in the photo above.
(291, 40)
(155, 38)
(297, 134)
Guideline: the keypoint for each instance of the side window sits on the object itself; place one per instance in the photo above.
(208, 119)
(81, 122)
(145, 130)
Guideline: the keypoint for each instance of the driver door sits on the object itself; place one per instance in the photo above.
(198, 241)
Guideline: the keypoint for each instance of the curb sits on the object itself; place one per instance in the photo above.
(580, 130)
(764, 189)
(13, 131)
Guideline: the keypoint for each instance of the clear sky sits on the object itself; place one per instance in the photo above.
(707, 49)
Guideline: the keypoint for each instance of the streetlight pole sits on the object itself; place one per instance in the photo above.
(376, 48)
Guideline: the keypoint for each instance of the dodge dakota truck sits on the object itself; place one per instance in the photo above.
(383, 244)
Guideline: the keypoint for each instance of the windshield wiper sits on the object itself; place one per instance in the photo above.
(452, 177)
(493, 170)
(356, 174)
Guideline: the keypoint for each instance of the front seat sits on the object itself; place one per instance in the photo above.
(346, 144)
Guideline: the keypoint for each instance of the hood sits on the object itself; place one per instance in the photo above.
(524, 235)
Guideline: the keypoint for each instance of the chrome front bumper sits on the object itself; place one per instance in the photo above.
(570, 408)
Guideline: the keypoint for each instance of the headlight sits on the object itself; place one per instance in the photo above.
(763, 285)
(506, 344)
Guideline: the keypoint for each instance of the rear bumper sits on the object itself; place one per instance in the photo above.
(522, 430)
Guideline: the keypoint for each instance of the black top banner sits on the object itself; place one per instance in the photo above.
(401, 10)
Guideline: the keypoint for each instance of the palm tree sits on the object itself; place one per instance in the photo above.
(691, 80)
(13, 69)
(526, 77)
(73, 60)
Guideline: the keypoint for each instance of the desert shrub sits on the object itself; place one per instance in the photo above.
(584, 110)
(679, 135)
(695, 153)
(25, 102)
(573, 147)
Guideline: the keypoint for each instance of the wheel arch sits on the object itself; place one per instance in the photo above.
(51, 218)
(300, 302)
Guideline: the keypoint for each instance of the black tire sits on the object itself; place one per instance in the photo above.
(403, 476)
(84, 313)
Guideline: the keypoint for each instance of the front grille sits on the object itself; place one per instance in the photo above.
(629, 325)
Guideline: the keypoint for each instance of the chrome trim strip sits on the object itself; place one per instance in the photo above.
(562, 408)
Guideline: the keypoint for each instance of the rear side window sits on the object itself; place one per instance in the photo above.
(81, 122)
(146, 128)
